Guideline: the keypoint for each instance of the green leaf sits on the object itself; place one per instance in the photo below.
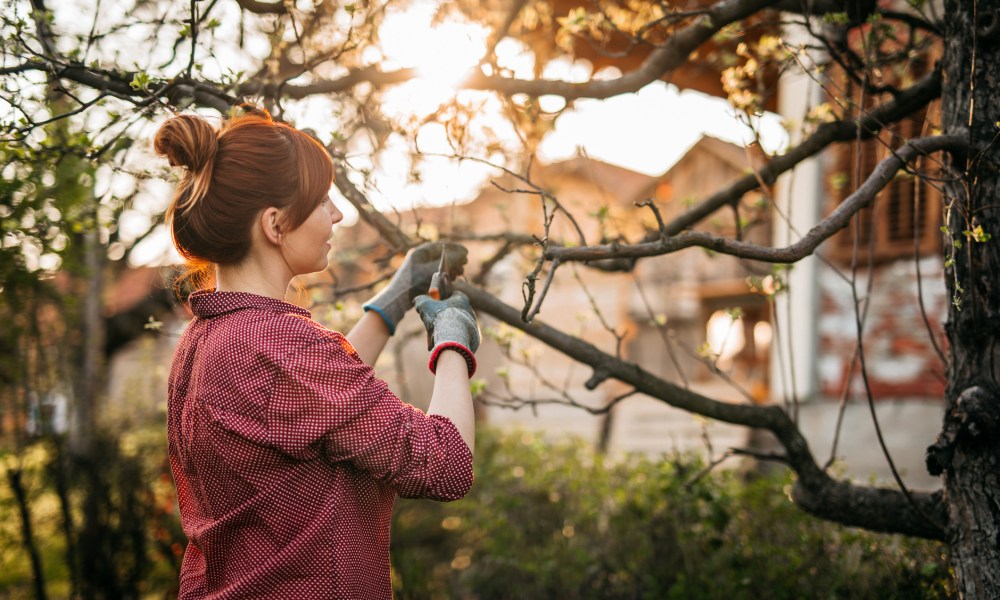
(140, 81)
(978, 234)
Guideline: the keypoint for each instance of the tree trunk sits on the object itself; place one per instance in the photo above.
(59, 469)
(27, 534)
(968, 452)
(91, 359)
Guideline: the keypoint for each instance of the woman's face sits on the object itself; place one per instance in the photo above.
(307, 247)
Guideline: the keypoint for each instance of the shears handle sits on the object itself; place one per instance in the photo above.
(436, 290)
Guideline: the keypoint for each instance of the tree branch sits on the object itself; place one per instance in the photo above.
(263, 8)
(873, 508)
(372, 74)
(366, 211)
(908, 101)
(673, 54)
(805, 246)
(118, 84)
(663, 60)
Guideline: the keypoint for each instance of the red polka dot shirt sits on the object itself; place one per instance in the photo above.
(287, 453)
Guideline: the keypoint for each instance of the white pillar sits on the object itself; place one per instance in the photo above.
(799, 200)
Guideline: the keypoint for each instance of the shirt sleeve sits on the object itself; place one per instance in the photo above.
(326, 400)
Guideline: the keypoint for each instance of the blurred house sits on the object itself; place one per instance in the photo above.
(701, 320)
(660, 314)
(686, 318)
(698, 319)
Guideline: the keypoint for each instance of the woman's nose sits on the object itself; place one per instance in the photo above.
(335, 215)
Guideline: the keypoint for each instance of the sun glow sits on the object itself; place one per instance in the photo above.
(444, 54)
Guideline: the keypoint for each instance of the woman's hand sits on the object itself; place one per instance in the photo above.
(414, 278)
(451, 325)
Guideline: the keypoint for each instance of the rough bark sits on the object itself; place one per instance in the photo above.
(968, 451)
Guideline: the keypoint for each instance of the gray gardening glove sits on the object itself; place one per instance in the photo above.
(451, 325)
(414, 278)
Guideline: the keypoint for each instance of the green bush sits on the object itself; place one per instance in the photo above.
(542, 521)
(561, 521)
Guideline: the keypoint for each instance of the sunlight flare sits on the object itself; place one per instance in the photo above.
(444, 54)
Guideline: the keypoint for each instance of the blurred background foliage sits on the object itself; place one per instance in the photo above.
(542, 521)
(562, 521)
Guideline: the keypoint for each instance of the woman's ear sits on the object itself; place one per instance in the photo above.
(270, 225)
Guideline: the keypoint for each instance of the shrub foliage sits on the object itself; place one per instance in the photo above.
(562, 521)
(542, 521)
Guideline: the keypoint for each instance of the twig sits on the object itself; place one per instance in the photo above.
(533, 312)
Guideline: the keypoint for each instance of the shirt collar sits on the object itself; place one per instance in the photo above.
(210, 303)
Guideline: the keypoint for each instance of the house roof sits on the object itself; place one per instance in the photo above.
(611, 179)
(733, 155)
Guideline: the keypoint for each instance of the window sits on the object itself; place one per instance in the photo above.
(907, 209)
(737, 330)
(906, 214)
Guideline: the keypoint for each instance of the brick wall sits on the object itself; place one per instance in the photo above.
(901, 360)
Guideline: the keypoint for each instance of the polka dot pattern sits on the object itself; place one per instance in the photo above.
(287, 453)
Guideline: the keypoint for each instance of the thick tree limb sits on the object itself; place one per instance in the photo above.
(877, 509)
(118, 84)
(805, 246)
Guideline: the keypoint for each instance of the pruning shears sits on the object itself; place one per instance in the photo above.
(440, 280)
(439, 288)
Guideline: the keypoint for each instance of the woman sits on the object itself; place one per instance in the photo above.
(286, 450)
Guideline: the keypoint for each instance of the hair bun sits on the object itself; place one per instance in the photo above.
(187, 141)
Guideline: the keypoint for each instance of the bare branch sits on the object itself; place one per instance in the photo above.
(373, 75)
(805, 246)
(367, 212)
(908, 101)
(22, 68)
(117, 84)
(530, 311)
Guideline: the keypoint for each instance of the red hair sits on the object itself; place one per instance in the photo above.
(231, 174)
